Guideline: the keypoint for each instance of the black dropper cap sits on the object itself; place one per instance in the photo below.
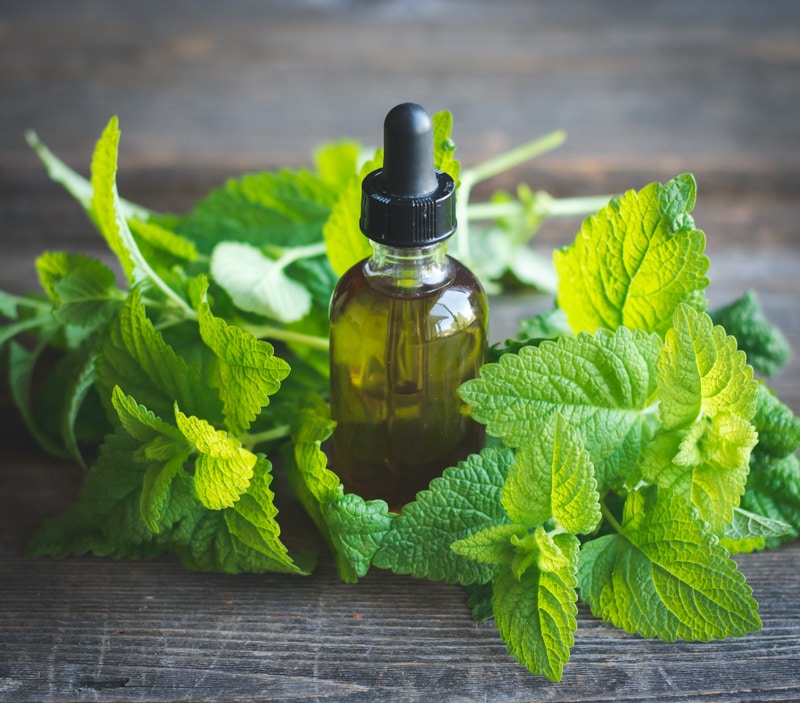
(408, 202)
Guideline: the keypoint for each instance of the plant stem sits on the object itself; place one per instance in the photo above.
(611, 519)
(515, 157)
(552, 207)
(283, 335)
(251, 440)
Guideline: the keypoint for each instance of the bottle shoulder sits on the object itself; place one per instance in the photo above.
(357, 283)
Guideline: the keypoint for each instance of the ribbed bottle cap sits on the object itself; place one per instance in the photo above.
(408, 202)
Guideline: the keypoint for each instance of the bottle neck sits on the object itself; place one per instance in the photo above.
(412, 270)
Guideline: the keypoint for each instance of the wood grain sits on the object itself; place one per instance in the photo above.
(205, 92)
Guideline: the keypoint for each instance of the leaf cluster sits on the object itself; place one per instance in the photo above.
(632, 448)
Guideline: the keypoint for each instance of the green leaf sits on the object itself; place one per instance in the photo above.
(82, 288)
(258, 284)
(535, 612)
(357, 528)
(777, 426)
(246, 371)
(462, 500)
(223, 469)
(254, 528)
(553, 477)
(21, 367)
(748, 531)
(285, 208)
(491, 545)
(766, 347)
(602, 384)
(105, 519)
(664, 574)
(163, 448)
(352, 527)
(163, 240)
(634, 261)
(773, 491)
(135, 356)
(701, 372)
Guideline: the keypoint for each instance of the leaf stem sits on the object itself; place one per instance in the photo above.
(551, 207)
(251, 440)
(284, 335)
(611, 519)
(515, 157)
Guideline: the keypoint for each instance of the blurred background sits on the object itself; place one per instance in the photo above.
(205, 90)
(199, 84)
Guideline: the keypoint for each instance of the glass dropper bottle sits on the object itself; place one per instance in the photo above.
(408, 326)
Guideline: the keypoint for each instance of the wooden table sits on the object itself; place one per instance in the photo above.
(206, 90)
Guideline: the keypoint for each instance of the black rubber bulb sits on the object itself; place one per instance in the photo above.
(408, 170)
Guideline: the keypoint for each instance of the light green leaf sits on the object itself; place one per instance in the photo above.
(553, 477)
(246, 371)
(444, 149)
(223, 468)
(664, 574)
(106, 206)
(75, 184)
(462, 500)
(258, 284)
(535, 613)
(634, 261)
(707, 397)
(337, 162)
(491, 545)
(701, 372)
(344, 241)
(602, 384)
(163, 239)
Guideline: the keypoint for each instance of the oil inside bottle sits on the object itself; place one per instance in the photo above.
(398, 355)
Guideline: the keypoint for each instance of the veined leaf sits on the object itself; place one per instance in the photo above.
(707, 397)
(464, 499)
(602, 384)
(81, 287)
(223, 469)
(664, 574)
(246, 372)
(535, 611)
(135, 356)
(258, 284)
(352, 526)
(635, 261)
(766, 347)
(553, 477)
(252, 523)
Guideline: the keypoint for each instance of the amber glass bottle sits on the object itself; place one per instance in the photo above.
(408, 326)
